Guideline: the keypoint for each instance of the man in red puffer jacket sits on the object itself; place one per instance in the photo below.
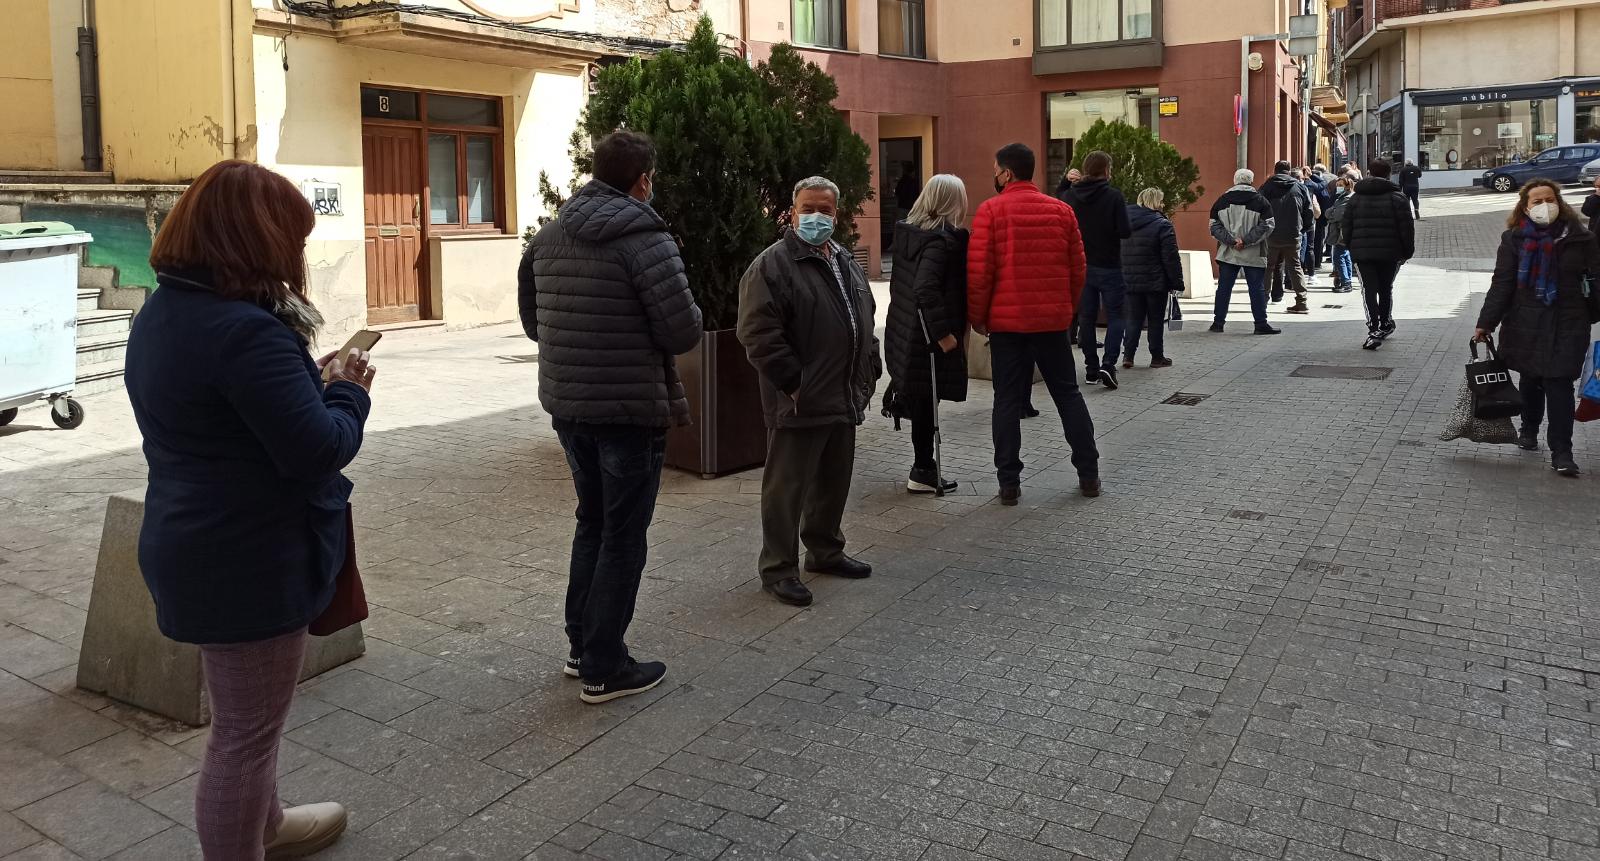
(1025, 269)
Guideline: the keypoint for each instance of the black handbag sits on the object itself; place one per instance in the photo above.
(1493, 395)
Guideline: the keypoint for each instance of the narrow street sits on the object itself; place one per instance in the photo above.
(1297, 626)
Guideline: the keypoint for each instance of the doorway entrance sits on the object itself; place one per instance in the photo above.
(392, 173)
(899, 184)
(431, 165)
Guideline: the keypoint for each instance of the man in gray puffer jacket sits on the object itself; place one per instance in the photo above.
(602, 289)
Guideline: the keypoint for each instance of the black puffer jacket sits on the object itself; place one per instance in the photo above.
(797, 331)
(1537, 339)
(930, 274)
(1150, 260)
(1291, 206)
(602, 290)
(1102, 219)
(1377, 222)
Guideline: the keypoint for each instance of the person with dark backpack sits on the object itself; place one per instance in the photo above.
(1381, 235)
(1411, 186)
(1291, 209)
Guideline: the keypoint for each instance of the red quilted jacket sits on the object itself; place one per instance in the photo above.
(1025, 264)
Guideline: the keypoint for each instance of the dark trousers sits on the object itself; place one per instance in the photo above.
(1014, 357)
(919, 411)
(1254, 277)
(1103, 286)
(617, 473)
(1146, 310)
(1319, 244)
(1283, 259)
(803, 493)
(1377, 287)
(1413, 195)
(1559, 396)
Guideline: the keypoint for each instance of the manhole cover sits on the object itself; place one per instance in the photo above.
(1341, 372)
(1241, 514)
(1185, 399)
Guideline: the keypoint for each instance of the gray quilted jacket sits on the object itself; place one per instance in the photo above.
(602, 289)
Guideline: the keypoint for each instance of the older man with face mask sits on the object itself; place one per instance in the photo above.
(806, 319)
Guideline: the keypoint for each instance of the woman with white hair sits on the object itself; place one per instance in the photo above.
(928, 316)
(1153, 270)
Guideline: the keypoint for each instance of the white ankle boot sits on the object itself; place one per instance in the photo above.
(307, 829)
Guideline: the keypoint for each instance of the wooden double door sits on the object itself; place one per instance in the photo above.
(396, 257)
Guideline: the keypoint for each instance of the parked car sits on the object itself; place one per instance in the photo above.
(1591, 172)
(1563, 164)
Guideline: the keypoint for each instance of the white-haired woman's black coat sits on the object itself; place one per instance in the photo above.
(930, 275)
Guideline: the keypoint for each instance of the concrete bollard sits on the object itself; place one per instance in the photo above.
(1198, 281)
(124, 655)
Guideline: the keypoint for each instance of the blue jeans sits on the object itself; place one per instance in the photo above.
(1014, 356)
(1343, 267)
(1104, 286)
(617, 472)
(1254, 279)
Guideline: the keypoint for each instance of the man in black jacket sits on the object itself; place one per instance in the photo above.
(1411, 186)
(602, 289)
(806, 322)
(1103, 221)
(1381, 235)
(1291, 214)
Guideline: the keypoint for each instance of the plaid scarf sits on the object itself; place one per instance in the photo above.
(1536, 264)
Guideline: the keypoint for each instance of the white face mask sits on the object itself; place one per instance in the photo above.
(1542, 213)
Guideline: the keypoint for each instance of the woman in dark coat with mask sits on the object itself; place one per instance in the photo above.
(1537, 301)
(928, 306)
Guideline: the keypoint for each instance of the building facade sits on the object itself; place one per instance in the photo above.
(936, 86)
(418, 130)
(1464, 86)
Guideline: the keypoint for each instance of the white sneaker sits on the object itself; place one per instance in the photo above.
(307, 829)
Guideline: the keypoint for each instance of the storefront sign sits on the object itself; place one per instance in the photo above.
(1494, 94)
(1169, 106)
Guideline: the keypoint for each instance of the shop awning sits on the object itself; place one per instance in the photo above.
(1329, 129)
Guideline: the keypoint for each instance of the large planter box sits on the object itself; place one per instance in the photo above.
(728, 433)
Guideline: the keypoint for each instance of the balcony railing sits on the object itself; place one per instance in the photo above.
(1362, 16)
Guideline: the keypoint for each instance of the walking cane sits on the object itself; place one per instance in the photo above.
(933, 376)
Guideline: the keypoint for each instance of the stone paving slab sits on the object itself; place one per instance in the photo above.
(1297, 626)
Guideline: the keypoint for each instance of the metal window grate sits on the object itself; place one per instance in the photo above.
(1341, 372)
(1185, 399)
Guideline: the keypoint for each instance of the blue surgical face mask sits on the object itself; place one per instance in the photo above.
(815, 228)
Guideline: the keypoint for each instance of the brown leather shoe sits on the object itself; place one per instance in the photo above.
(1090, 487)
(1010, 495)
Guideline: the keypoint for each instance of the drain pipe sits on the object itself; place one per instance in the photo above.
(89, 89)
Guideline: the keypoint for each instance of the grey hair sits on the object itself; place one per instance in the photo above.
(1319, 167)
(943, 203)
(822, 182)
(1244, 176)
(1152, 198)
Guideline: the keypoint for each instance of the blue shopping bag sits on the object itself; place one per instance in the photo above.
(1589, 386)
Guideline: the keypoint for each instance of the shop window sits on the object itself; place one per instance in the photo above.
(819, 23)
(1586, 126)
(1069, 115)
(1483, 135)
(1072, 23)
(1391, 132)
(902, 28)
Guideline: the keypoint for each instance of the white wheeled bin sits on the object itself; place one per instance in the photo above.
(39, 318)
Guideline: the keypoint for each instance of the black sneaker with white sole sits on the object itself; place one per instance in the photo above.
(1563, 464)
(922, 481)
(570, 669)
(633, 678)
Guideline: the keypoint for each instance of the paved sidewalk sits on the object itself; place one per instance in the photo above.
(1297, 626)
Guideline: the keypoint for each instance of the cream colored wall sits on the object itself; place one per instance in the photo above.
(65, 18)
(984, 31)
(1587, 29)
(27, 90)
(475, 278)
(166, 84)
(309, 123)
(1197, 22)
(1491, 50)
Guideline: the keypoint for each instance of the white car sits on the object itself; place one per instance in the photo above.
(1591, 172)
